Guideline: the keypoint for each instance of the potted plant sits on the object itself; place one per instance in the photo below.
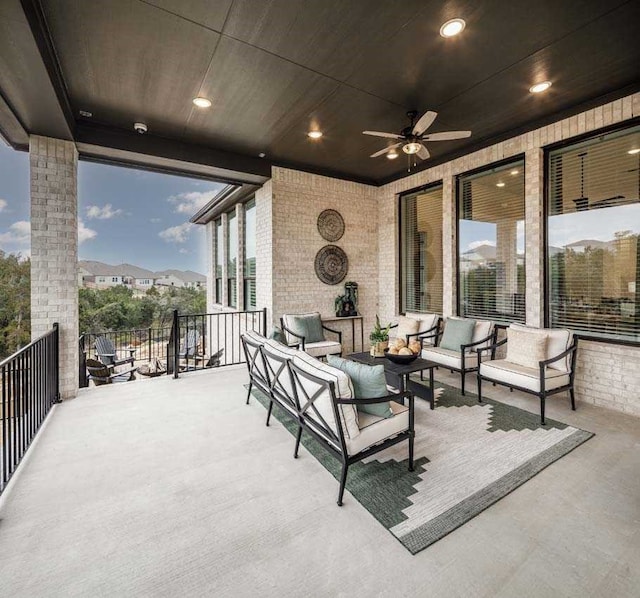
(379, 338)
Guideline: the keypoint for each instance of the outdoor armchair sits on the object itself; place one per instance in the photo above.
(308, 331)
(107, 354)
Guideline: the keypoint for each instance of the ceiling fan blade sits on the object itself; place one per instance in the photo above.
(423, 153)
(379, 134)
(425, 121)
(447, 135)
(385, 150)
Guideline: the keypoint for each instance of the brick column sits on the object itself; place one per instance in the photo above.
(210, 234)
(225, 270)
(54, 249)
(507, 255)
(264, 250)
(449, 241)
(240, 261)
(534, 238)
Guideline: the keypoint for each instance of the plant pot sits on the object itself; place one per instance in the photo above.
(377, 349)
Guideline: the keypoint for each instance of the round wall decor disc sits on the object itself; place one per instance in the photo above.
(331, 264)
(331, 225)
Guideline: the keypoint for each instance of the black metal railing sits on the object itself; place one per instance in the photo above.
(203, 341)
(148, 344)
(30, 386)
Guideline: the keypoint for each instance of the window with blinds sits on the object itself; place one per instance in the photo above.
(219, 254)
(421, 250)
(232, 259)
(491, 249)
(593, 228)
(250, 256)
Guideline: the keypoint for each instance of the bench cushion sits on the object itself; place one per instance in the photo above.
(375, 429)
(449, 358)
(280, 378)
(526, 348)
(559, 340)
(512, 374)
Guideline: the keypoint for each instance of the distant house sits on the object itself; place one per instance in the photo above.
(584, 244)
(179, 278)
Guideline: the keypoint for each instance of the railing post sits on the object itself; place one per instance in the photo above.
(82, 363)
(176, 343)
(149, 343)
(56, 337)
(264, 321)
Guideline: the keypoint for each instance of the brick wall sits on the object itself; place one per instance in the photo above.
(264, 249)
(54, 249)
(606, 373)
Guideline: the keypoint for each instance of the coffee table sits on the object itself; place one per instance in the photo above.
(402, 372)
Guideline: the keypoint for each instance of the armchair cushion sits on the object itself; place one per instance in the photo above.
(406, 326)
(278, 335)
(482, 330)
(323, 348)
(513, 374)
(559, 340)
(368, 381)
(307, 325)
(427, 322)
(526, 348)
(457, 332)
(375, 429)
(449, 358)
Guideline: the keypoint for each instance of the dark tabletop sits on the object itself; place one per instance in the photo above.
(417, 365)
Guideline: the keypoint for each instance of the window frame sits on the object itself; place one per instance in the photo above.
(245, 278)
(456, 179)
(218, 286)
(427, 187)
(546, 271)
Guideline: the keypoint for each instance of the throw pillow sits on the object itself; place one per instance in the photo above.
(407, 326)
(526, 348)
(307, 325)
(457, 332)
(278, 335)
(368, 383)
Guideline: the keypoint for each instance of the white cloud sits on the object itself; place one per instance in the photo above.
(106, 212)
(176, 234)
(183, 251)
(191, 201)
(84, 233)
(19, 233)
(475, 244)
(3, 204)
(155, 220)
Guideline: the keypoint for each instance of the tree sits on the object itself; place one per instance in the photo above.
(15, 303)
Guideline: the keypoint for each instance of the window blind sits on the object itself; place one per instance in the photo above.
(593, 229)
(250, 255)
(219, 257)
(421, 243)
(491, 252)
(232, 258)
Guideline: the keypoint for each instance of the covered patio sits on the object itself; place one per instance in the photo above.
(129, 492)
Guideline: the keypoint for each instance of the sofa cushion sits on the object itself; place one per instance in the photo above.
(368, 381)
(323, 348)
(512, 374)
(559, 340)
(449, 358)
(256, 362)
(376, 429)
(526, 348)
(457, 331)
(324, 404)
(275, 354)
(482, 330)
(406, 326)
(307, 325)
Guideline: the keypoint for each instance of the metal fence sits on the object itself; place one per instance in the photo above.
(203, 341)
(30, 387)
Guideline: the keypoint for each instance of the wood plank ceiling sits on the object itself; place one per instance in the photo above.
(275, 68)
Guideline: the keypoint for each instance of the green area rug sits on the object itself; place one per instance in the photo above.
(468, 455)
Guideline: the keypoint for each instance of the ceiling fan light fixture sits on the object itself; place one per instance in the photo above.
(452, 27)
(202, 102)
(540, 87)
(514, 172)
(315, 134)
(411, 148)
(635, 150)
(392, 154)
(500, 184)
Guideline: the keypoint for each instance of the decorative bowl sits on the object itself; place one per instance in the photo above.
(401, 359)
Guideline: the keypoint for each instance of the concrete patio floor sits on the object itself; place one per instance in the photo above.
(177, 488)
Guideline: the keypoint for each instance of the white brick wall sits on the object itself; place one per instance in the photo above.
(54, 250)
(264, 249)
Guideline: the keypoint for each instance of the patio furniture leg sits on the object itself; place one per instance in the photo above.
(269, 411)
(479, 388)
(298, 438)
(573, 398)
(542, 410)
(343, 481)
(411, 438)
(249, 393)
(433, 390)
(463, 376)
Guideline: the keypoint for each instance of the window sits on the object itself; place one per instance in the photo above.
(232, 259)
(114, 279)
(593, 227)
(219, 254)
(421, 250)
(250, 256)
(491, 268)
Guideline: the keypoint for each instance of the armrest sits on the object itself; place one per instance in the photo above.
(424, 332)
(292, 333)
(482, 340)
(334, 332)
(571, 349)
(105, 354)
(391, 397)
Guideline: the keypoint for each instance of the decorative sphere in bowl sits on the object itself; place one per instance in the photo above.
(399, 358)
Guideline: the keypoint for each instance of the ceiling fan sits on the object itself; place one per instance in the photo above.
(413, 137)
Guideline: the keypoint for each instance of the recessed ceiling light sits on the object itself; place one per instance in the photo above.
(202, 102)
(315, 134)
(261, 155)
(514, 171)
(540, 87)
(635, 150)
(86, 113)
(452, 27)
(500, 184)
(392, 155)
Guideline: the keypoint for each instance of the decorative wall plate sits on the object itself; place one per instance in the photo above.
(331, 225)
(331, 264)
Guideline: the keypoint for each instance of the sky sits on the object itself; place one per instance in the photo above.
(125, 215)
